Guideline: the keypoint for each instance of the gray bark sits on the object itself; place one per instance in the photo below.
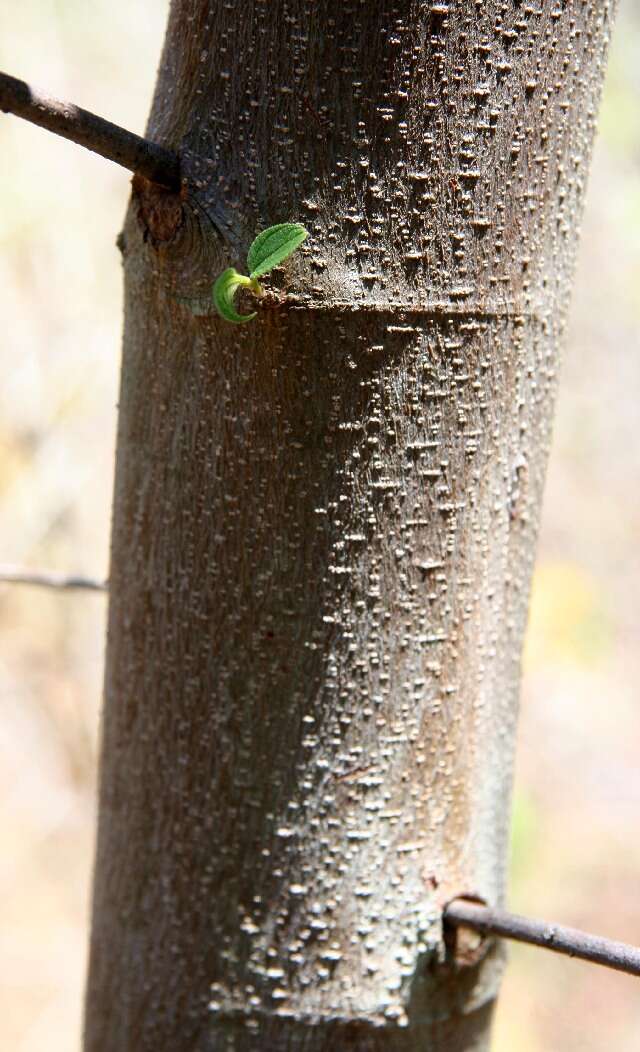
(325, 521)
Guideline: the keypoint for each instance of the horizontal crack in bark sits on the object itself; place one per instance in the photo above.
(428, 310)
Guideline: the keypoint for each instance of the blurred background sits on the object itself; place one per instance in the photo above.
(576, 849)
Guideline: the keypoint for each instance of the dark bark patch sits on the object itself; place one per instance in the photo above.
(159, 211)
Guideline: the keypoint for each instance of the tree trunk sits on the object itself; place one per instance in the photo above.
(325, 520)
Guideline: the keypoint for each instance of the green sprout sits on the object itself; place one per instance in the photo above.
(270, 248)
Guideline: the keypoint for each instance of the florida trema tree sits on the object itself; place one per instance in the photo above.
(325, 518)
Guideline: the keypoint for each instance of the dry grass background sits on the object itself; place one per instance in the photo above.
(576, 853)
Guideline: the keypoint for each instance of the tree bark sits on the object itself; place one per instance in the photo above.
(325, 520)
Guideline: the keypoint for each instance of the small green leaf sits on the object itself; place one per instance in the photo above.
(273, 246)
(225, 289)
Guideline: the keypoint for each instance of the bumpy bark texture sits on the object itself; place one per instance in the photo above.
(325, 520)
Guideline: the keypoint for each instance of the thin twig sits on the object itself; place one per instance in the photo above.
(569, 941)
(156, 163)
(46, 579)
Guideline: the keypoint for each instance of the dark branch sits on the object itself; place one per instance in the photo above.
(619, 955)
(16, 575)
(116, 144)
